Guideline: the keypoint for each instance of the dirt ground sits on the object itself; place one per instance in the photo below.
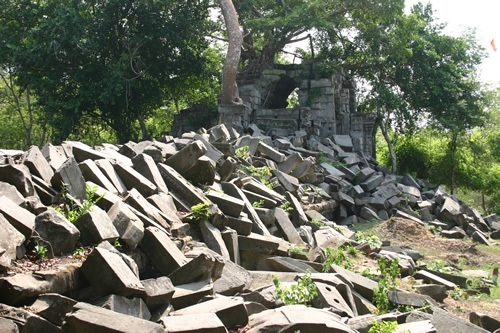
(455, 253)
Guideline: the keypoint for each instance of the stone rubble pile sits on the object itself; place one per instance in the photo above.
(151, 263)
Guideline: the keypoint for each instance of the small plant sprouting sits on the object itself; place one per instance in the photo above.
(338, 257)
(286, 206)
(117, 244)
(297, 250)
(242, 152)
(301, 292)
(200, 212)
(386, 282)
(372, 240)
(73, 212)
(317, 222)
(41, 251)
(258, 204)
(383, 327)
(79, 253)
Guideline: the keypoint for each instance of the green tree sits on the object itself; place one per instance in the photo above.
(111, 60)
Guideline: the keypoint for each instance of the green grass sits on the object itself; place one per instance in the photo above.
(366, 226)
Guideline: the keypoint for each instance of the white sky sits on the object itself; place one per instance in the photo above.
(484, 16)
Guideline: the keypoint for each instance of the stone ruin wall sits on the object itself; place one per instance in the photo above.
(327, 105)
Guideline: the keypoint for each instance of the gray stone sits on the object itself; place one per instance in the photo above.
(134, 180)
(484, 321)
(24, 320)
(289, 183)
(130, 228)
(95, 226)
(230, 310)
(37, 164)
(162, 251)
(11, 192)
(258, 244)
(291, 162)
(258, 226)
(480, 237)
(180, 186)
(107, 169)
(270, 152)
(292, 318)
(11, 241)
(19, 289)
(362, 285)
(331, 170)
(89, 318)
(329, 297)
(286, 226)
(91, 172)
(213, 239)
(372, 182)
(107, 199)
(329, 237)
(53, 307)
(18, 217)
(136, 200)
(234, 279)
(19, 176)
(242, 225)
(70, 177)
(449, 210)
(8, 326)
(227, 204)
(284, 264)
(159, 291)
(108, 273)
(436, 291)
(230, 238)
(193, 323)
(446, 322)
(212, 152)
(202, 172)
(147, 167)
(134, 307)
(369, 214)
(55, 229)
(54, 155)
(187, 157)
(205, 265)
(191, 293)
(165, 203)
(410, 299)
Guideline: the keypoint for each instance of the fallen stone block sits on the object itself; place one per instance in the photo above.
(230, 310)
(109, 171)
(134, 180)
(205, 265)
(234, 279)
(134, 307)
(55, 229)
(191, 293)
(230, 238)
(83, 152)
(191, 323)
(91, 172)
(186, 158)
(130, 228)
(109, 274)
(18, 217)
(24, 321)
(410, 299)
(364, 286)
(18, 175)
(292, 318)
(180, 186)
(257, 244)
(53, 307)
(284, 264)
(445, 322)
(162, 251)
(242, 225)
(95, 226)
(484, 321)
(21, 288)
(286, 226)
(432, 278)
(165, 203)
(11, 192)
(90, 318)
(147, 167)
(227, 204)
(37, 164)
(136, 200)
(436, 291)
(69, 177)
(159, 291)
(54, 155)
(11, 241)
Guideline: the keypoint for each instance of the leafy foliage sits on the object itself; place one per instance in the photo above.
(200, 212)
(73, 211)
(337, 256)
(386, 282)
(301, 292)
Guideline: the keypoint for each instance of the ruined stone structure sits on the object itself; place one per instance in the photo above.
(327, 105)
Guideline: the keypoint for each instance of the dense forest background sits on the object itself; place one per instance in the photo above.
(119, 70)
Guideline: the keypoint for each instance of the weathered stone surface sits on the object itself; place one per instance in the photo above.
(286, 227)
(436, 291)
(91, 172)
(19, 176)
(162, 251)
(55, 155)
(11, 241)
(205, 265)
(186, 158)
(147, 167)
(89, 318)
(213, 239)
(70, 177)
(329, 297)
(11, 192)
(258, 243)
(191, 323)
(191, 293)
(159, 291)
(242, 225)
(18, 217)
(95, 226)
(410, 299)
(130, 228)
(227, 204)
(134, 180)
(8, 326)
(108, 273)
(234, 279)
(484, 321)
(37, 164)
(230, 238)
(20, 288)
(448, 323)
(230, 310)
(180, 186)
(55, 229)
(136, 200)
(134, 307)
(292, 318)
(25, 321)
(109, 171)
(449, 210)
(53, 307)
(432, 278)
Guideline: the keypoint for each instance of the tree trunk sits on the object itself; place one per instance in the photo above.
(384, 128)
(229, 88)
